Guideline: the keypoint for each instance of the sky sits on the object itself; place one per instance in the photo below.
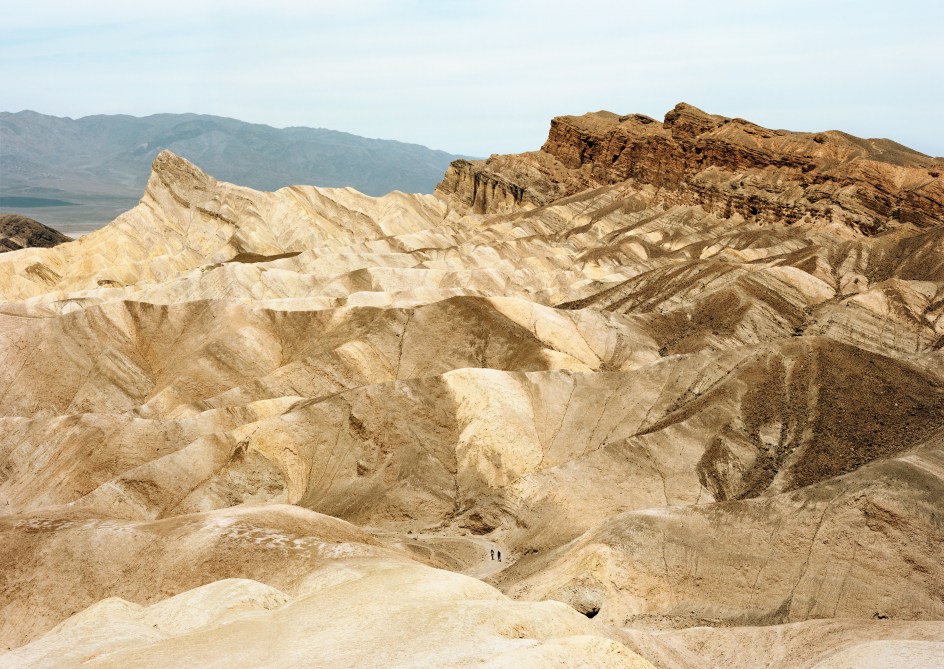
(483, 77)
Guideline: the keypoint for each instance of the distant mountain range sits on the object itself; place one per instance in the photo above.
(102, 162)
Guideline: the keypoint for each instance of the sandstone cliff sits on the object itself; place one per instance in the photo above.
(730, 167)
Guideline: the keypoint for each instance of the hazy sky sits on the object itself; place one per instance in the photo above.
(485, 76)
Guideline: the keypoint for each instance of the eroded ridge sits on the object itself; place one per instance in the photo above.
(683, 376)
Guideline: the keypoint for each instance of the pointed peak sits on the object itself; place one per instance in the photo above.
(686, 120)
(685, 108)
(178, 176)
(169, 163)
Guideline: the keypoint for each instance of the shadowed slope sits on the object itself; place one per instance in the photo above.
(20, 232)
(664, 407)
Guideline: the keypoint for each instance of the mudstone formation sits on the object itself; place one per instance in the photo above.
(19, 232)
(687, 376)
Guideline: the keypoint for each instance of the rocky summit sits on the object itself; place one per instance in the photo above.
(661, 394)
(19, 232)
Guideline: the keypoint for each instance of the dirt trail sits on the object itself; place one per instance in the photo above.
(486, 567)
(480, 566)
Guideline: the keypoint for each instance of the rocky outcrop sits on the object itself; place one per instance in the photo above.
(19, 232)
(503, 184)
(726, 166)
(482, 190)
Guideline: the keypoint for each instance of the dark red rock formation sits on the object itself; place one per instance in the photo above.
(730, 167)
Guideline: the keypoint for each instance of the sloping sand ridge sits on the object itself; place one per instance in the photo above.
(686, 376)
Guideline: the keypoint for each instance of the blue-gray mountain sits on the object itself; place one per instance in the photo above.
(110, 156)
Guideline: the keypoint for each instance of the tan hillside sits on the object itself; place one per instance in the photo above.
(686, 376)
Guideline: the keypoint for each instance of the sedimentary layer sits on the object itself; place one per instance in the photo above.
(684, 376)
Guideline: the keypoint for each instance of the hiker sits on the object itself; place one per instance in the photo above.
(493, 553)
(499, 556)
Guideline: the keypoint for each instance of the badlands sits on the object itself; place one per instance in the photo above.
(686, 376)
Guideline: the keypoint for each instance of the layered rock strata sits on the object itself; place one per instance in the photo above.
(314, 416)
(725, 166)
